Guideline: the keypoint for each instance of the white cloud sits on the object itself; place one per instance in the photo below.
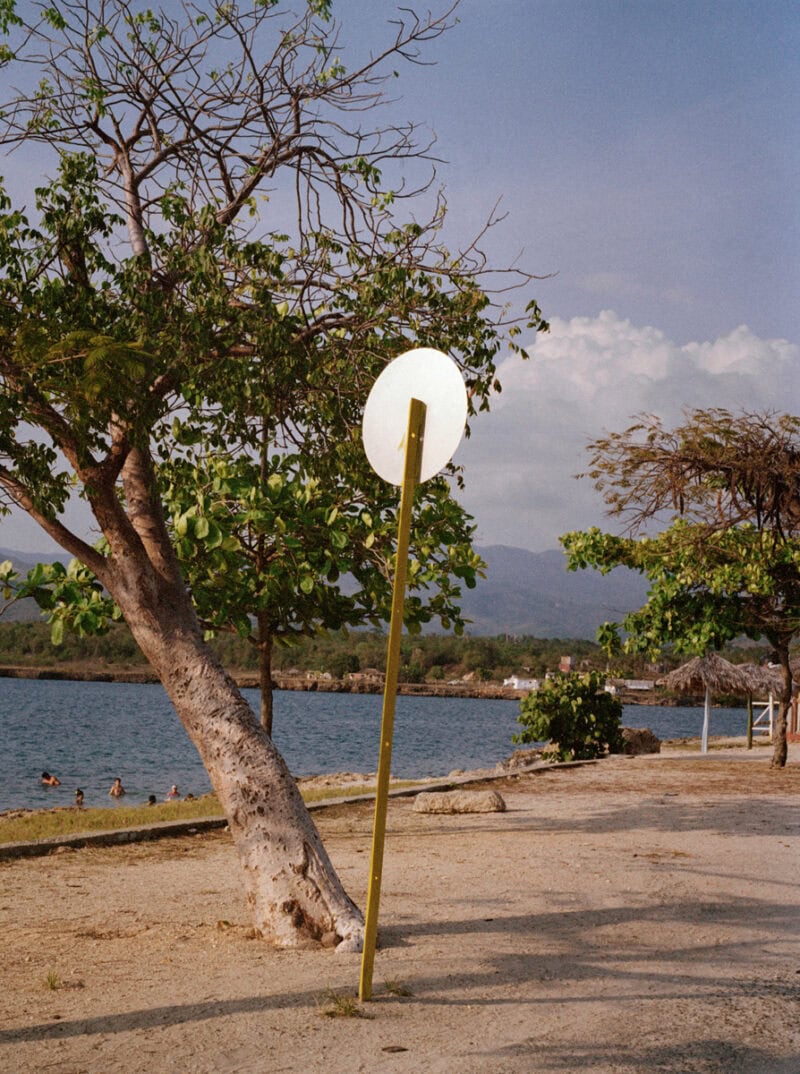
(587, 376)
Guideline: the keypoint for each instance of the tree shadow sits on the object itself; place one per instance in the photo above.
(781, 919)
(700, 1056)
(756, 817)
(662, 813)
(578, 947)
(155, 1017)
(662, 973)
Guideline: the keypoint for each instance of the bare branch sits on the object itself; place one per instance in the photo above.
(717, 468)
(145, 96)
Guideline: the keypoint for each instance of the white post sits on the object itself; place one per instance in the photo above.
(706, 720)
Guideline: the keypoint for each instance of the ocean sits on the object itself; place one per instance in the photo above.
(88, 733)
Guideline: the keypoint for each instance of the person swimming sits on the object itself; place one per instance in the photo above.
(79, 798)
(173, 792)
(50, 781)
(117, 790)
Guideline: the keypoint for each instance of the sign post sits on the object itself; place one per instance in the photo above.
(413, 458)
(406, 454)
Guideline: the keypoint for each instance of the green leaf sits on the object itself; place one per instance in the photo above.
(215, 537)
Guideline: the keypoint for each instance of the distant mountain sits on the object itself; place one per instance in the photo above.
(533, 593)
(523, 593)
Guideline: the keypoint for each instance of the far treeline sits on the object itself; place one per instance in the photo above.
(425, 658)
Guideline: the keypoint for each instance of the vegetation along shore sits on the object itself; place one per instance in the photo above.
(354, 662)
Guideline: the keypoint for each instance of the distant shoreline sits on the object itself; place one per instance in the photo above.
(248, 680)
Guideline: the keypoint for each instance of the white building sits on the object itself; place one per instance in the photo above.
(516, 683)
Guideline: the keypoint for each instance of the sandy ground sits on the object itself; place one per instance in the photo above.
(638, 915)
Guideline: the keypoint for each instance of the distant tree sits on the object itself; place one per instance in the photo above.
(411, 672)
(480, 653)
(729, 562)
(214, 245)
(342, 664)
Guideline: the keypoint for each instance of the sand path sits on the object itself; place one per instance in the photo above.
(634, 916)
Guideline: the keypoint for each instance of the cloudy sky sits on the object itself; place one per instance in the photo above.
(646, 154)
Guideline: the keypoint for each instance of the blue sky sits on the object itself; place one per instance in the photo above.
(645, 152)
(647, 155)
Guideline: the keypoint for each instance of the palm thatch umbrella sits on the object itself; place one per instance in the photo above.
(762, 679)
(710, 673)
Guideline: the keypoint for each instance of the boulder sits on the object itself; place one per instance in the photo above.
(459, 802)
(638, 740)
(519, 759)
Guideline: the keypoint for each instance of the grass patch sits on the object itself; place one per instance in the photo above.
(397, 988)
(44, 824)
(52, 824)
(319, 794)
(341, 1005)
(54, 981)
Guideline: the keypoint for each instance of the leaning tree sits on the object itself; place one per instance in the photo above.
(213, 246)
(728, 564)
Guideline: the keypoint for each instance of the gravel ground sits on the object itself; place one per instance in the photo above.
(638, 915)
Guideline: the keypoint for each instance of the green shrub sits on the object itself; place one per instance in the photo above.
(575, 713)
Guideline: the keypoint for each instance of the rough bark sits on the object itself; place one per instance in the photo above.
(292, 889)
(779, 743)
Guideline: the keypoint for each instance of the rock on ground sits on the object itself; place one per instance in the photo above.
(459, 802)
(638, 740)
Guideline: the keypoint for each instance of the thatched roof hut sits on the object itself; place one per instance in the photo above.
(709, 673)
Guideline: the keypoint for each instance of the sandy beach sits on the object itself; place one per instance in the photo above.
(637, 915)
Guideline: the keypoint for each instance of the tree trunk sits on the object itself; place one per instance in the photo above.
(265, 672)
(293, 891)
(779, 745)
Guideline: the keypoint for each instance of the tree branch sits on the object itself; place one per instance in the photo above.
(52, 527)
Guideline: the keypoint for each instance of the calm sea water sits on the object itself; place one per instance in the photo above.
(88, 733)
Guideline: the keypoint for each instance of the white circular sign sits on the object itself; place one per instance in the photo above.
(433, 378)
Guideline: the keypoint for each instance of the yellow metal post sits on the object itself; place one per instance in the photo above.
(413, 458)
